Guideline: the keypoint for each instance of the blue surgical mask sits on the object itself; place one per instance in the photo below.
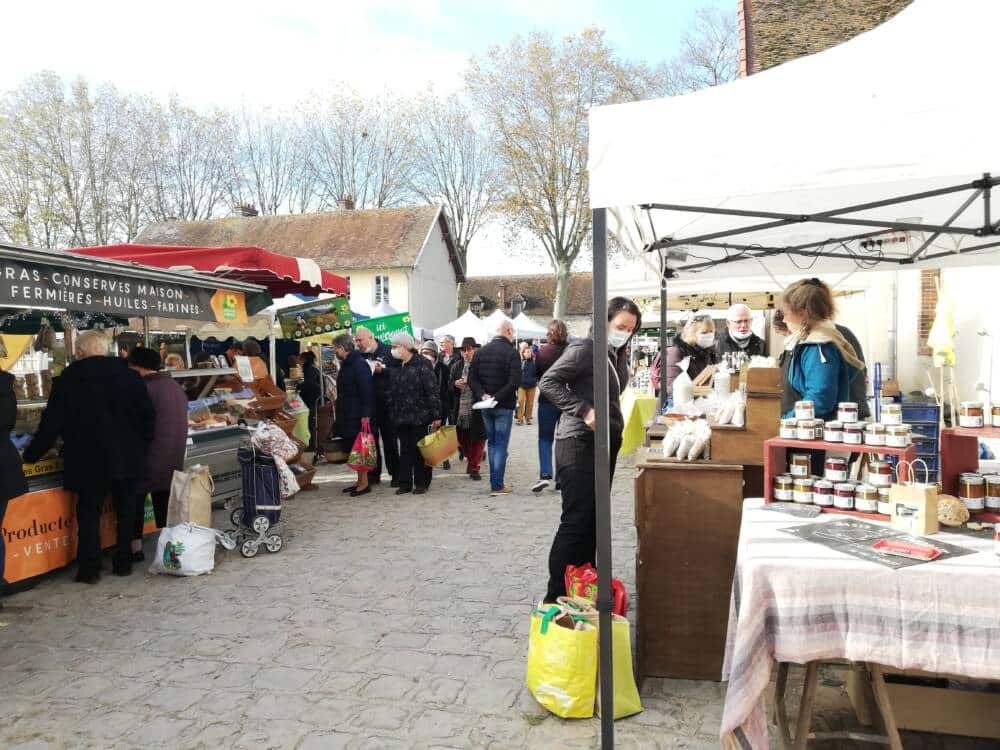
(617, 339)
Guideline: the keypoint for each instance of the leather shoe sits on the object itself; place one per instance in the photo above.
(358, 493)
(474, 476)
(420, 491)
(404, 491)
(87, 577)
(138, 556)
(350, 489)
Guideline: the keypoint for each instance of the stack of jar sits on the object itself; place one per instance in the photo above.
(834, 489)
(974, 414)
(979, 492)
(846, 429)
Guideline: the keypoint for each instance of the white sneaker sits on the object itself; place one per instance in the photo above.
(540, 485)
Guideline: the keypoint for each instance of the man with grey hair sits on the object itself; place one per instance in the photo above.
(495, 374)
(379, 356)
(738, 336)
(105, 417)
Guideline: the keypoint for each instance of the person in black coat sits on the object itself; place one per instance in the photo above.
(310, 390)
(103, 413)
(496, 374)
(469, 421)
(416, 410)
(738, 338)
(381, 354)
(12, 481)
(355, 400)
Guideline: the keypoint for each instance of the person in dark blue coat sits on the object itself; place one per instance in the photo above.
(355, 400)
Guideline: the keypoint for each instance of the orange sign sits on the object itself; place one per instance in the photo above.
(229, 307)
(39, 532)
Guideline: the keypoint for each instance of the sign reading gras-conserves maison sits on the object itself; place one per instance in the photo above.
(28, 285)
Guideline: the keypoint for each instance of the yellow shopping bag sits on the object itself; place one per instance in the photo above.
(439, 446)
(562, 665)
(626, 693)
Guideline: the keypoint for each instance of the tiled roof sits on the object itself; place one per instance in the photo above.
(338, 241)
(539, 292)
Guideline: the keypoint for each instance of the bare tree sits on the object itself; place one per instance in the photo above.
(456, 165)
(709, 53)
(267, 161)
(535, 93)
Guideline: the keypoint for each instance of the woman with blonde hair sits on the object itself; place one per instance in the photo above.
(697, 341)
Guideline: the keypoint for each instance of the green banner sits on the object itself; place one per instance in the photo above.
(384, 328)
(313, 318)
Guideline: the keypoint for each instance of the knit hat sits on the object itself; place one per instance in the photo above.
(429, 346)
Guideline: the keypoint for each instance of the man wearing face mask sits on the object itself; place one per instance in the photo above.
(379, 356)
(738, 337)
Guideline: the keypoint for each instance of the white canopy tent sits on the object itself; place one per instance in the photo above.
(468, 324)
(526, 328)
(493, 321)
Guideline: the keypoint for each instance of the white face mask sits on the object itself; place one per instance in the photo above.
(617, 339)
(397, 353)
(706, 340)
(737, 336)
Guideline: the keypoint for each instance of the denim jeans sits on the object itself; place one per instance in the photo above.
(498, 425)
(548, 417)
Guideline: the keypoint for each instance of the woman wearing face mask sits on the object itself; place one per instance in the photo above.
(415, 408)
(696, 341)
(569, 384)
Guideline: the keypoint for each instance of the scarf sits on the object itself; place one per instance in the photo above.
(823, 333)
(465, 402)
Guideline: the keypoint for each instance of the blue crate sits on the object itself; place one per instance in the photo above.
(918, 411)
(926, 430)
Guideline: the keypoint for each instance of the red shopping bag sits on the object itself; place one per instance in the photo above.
(582, 581)
(362, 456)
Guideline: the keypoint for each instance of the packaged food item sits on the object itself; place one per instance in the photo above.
(884, 506)
(804, 410)
(806, 430)
(843, 496)
(897, 436)
(835, 469)
(823, 493)
(800, 465)
(892, 414)
(970, 414)
(847, 411)
(833, 432)
(853, 433)
(993, 492)
(787, 431)
(802, 490)
(972, 491)
(874, 434)
(866, 498)
(783, 488)
(880, 473)
(995, 413)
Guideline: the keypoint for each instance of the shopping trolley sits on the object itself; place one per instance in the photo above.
(258, 519)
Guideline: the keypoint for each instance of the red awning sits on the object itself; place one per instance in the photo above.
(281, 274)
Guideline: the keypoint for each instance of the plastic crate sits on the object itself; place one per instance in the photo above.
(918, 411)
(926, 430)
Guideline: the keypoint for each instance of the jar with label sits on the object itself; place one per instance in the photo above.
(866, 498)
(833, 432)
(819, 425)
(995, 414)
(805, 410)
(847, 411)
(787, 430)
(853, 433)
(874, 434)
(970, 414)
(843, 496)
(884, 506)
(972, 491)
(892, 414)
(802, 490)
(835, 469)
(992, 492)
(880, 473)
(783, 488)
(897, 435)
(823, 493)
(806, 430)
(800, 465)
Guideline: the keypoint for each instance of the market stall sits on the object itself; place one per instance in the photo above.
(45, 297)
(800, 193)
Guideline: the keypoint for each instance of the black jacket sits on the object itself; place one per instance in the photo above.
(859, 386)
(355, 394)
(442, 373)
(755, 346)
(106, 419)
(477, 428)
(496, 370)
(415, 394)
(383, 354)
(546, 357)
(310, 388)
(569, 384)
(12, 481)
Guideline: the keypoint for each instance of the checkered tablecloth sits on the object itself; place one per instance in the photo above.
(797, 601)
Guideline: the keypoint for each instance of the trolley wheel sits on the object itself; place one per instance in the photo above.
(261, 524)
(250, 548)
(236, 515)
(228, 539)
(273, 543)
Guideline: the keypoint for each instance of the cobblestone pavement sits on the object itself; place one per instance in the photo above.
(384, 622)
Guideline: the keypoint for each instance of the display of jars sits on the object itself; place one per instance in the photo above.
(835, 469)
(806, 429)
(843, 496)
(992, 501)
(853, 433)
(884, 506)
(880, 473)
(866, 498)
(783, 488)
(892, 414)
(802, 490)
(971, 414)
(823, 493)
(972, 492)
(833, 432)
(805, 410)
(874, 434)
(897, 435)
(847, 411)
(800, 465)
(787, 429)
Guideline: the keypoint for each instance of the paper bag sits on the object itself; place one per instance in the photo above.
(914, 504)
(191, 497)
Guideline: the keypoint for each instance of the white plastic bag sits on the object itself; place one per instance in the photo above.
(683, 388)
(185, 550)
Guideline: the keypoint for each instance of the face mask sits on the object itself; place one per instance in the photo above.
(737, 336)
(705, 340)
(397, 353)
(617, 339)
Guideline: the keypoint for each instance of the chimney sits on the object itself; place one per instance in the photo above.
(502, 295)
(246, 209)
(345, 203)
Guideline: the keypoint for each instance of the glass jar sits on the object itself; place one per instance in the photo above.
(874, 434)
(833, 432)
(823, 493)
(995, 414)
(972, 491)
(970, 414)
(847, 411)
(992, 501)
(843, 496)
(892, 414)
(783, 488)
(835, 469)
(805, 430)
(802, 490)
(853, 433)
(866, 498)
(897, 436)
(880, 473)
(800, 465)
(884, 506)
(805, 410)
(787, 429)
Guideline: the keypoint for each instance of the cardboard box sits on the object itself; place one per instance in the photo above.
(763, 380)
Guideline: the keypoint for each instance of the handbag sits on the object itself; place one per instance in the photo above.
(914, 504)
(562, 663)
(362, 456)
(439, 446)
(191, 497)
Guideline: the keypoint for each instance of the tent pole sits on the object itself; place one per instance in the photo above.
(663, 332)
(602, 475)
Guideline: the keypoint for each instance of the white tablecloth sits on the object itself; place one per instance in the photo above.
(797, 601)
